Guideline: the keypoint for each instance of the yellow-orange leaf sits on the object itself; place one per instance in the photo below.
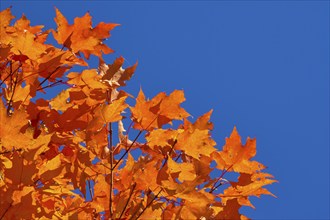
(112, 112)
(236, 156)
(81, 36)
(15, 131)
(162, 137)
(195, 140)
(25, 44)
(162, 109)
(60, 102)
(108, 113)
(6, 17)
(23, 24)
(18, 194)
(50, 165)
(20, 94)
(88, 78)
(186, 170)
(248, 185)
(6, 162)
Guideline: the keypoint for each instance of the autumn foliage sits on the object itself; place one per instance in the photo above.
(88, 154)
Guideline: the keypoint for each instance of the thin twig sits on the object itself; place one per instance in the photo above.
(42, 82)
(90, 189)
(111, 168)
(111, 158)
(51, 85)
(214, 187)
(133, 142)
(20, 178)
(169, 154)
(10, 103)
(129, 198)
(10, 74)
(3, 67)
(177, 158)
(128, 149)
(156, 196)
(3, 215)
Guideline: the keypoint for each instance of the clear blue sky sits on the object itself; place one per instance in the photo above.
(262, 66)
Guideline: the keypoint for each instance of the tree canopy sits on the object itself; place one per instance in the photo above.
(61, 158)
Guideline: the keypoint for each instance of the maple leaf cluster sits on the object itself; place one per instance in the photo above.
(59, 158)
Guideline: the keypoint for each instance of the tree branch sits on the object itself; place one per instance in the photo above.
(111, 158)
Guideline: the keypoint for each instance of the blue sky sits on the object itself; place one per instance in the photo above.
(262, 66)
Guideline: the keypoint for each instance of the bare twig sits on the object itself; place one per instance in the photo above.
(10, 74)
(156, 196)
(111, 167)
(3, 215)
(177, 158)
(215, 186)
(133, 142)
(51, 85)
(42, 82)
(10, 103)
(129, 198)
(169, 154)
(111, 158)
(128, 149)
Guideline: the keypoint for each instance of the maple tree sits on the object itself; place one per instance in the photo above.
(59, 158)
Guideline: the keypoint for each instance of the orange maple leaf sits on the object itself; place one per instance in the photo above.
(81, 36)
(162, 109)
(236, 156)
(248, 185)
